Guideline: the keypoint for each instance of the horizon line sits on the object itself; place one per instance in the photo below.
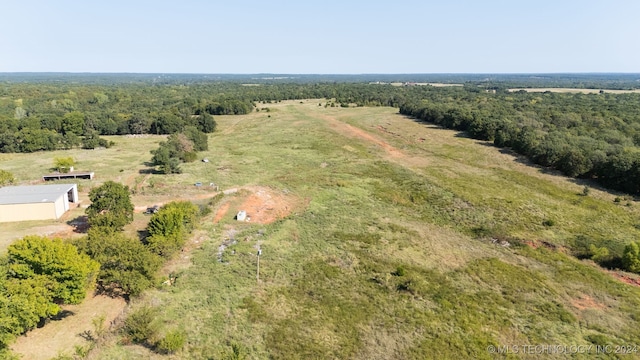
(316, 74)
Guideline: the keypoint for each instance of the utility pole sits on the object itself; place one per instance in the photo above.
(258, 271)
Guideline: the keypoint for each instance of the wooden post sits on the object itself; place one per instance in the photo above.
(258, 271)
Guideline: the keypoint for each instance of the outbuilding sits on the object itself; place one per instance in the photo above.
(70, 175)
(36, 202)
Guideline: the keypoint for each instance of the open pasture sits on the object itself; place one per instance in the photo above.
(394, 239)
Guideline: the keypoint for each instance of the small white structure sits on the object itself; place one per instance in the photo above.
(241, 216)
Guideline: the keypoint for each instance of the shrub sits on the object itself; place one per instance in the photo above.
(140, 327)
(6, 178)
(169, 227)
(400, 271)
(631, 257)
(63, 164)
(164, 245)
(204, 210)
(598, 254)
(171, 342)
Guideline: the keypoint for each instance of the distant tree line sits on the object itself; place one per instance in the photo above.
(572, 80)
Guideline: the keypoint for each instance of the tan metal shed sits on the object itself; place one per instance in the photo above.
(36, 202)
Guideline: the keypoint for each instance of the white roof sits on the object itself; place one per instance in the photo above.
(30, 194)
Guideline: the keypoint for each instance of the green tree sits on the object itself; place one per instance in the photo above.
(125, 263)
(167, 123)
(168, 155)
(71, 274)
(70, 140)
(169, 227)
(73, 122)
(23, 303)
(91, 140)
(574, 163)
(199, 139)
(139, 124)
(206, 123)
(163, 157)
(110, 206)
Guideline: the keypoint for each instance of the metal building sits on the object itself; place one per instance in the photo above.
(36, 202)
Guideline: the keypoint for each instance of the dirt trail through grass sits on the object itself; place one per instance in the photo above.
(392, 153)
(352, 131)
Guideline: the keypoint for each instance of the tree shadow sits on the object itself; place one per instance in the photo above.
(62, 315)
(150, 170)
(87, 335)
(57, 317)
(111, 291)
(142, 235)
(430, 125)
(80, 224)
(519, 158)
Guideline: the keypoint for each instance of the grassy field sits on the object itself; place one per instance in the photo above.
(400, 241)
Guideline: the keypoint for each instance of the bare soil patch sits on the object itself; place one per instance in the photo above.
(62, 335)
(222, 211)
(584, 302)
(626, 278)
(264, 205)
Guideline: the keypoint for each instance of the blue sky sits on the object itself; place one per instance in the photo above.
(328, 37)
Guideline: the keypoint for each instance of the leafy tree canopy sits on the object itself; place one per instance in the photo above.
(111, 206)
(125, 263)
(68, 273)
(169, 227)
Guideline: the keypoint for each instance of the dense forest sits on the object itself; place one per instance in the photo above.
(595, 136)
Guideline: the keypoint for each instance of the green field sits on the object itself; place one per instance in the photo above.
(403, 241)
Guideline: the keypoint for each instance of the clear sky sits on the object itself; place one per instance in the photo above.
(320, 37)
